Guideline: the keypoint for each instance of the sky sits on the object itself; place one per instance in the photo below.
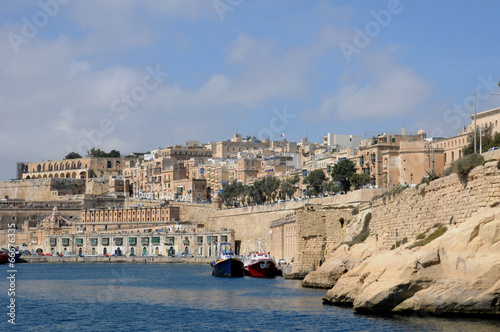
(138, 75)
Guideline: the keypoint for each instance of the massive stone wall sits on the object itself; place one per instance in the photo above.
(446, 200)
(41, 189)
(318, 234)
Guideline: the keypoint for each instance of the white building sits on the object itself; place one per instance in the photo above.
(342, 141)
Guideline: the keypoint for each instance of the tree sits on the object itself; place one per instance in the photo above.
(233, 193)
(114, 154)
(270, 186)
(254, 193)
(314, 181)
(72, 155)
(359, 180)
(343, 172)
(100, 153)
(288, 188)
(487, 141)
(332, 187)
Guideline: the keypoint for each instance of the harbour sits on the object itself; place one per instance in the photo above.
(157, 297)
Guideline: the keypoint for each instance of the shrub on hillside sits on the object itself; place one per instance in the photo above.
(430, 175)
(463, 166)
(437, 233)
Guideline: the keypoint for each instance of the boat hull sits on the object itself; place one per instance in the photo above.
(229, 267)
(265, 268)
(5, 258)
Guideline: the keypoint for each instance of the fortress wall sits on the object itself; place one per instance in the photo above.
(446, 200)
(41, 189)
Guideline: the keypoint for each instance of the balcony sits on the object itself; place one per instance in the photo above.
(185, 242)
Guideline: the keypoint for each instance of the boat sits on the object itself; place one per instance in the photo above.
(5, 256)
(260, 264)
(227, 264)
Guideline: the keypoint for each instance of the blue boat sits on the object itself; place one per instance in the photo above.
(227, 265)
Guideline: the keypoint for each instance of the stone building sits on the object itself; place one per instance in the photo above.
(80, 168)
(149, 235)
(238, 144)
(130, 215)
(185, 152)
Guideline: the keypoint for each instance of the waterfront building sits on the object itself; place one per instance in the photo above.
(131, 215)
(153, 232)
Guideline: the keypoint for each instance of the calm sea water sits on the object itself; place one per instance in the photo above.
(159, 297)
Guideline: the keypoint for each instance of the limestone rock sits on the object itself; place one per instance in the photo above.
(457, 273)
(327, 274)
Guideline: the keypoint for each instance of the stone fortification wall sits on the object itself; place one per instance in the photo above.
(97, 186)
(253, 222)
(446, 200)
(250, 223)
(318, 234)
(41, 189)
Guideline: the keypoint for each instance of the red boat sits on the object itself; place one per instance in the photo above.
(260, 265)
(5, 256)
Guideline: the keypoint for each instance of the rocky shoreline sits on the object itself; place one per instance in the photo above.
(457, 274)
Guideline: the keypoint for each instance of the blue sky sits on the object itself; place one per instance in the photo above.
(78, 74)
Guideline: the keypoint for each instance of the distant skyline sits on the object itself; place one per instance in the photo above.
(138, 75)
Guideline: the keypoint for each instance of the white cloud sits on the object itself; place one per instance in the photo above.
(381, 88)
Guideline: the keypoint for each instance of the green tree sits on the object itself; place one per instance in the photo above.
(232, 193)
(255, 194)
(487, 141)
(101, 153)
(72, 155)
(343, 171)
(332, 187)
(359, 180)
(270, 186)
(114, 153)
(288, 187)
(314, 181)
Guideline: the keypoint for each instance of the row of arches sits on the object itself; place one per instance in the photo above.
(67, 175)
(60, 166)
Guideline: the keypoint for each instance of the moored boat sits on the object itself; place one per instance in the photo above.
(260, 264)
(5, 256)
(227, 264)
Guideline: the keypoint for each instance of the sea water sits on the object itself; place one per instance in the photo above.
(160, 297)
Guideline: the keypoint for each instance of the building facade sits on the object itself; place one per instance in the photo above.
(80, 168)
